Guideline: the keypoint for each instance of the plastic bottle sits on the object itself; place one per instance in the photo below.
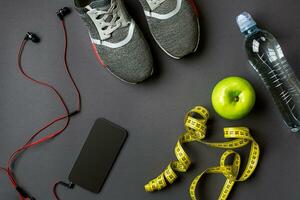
(266, 57)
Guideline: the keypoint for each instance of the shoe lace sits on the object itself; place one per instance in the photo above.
(109, 20)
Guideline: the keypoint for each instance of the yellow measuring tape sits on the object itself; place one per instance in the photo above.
(195, 124)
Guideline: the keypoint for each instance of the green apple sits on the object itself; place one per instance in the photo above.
(233, 98)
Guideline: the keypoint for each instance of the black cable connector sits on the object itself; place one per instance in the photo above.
(74, 113)
(68, 185)
(23, 193)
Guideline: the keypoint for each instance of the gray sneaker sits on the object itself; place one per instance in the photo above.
(117, 41)
(174, 25)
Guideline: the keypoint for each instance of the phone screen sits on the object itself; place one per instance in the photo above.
(98, 155)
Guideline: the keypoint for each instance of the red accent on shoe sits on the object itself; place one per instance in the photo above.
(97, 55)
(195, 7)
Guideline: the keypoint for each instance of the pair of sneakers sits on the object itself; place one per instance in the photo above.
(120, 45)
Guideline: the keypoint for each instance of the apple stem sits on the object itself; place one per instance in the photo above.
(236, 99)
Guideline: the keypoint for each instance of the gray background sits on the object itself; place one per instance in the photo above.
(152, 112)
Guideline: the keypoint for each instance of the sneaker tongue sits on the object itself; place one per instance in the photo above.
(82, 6)
(103, 5)
(100, 4)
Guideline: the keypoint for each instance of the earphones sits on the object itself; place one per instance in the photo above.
(33, 37)
(61, 13)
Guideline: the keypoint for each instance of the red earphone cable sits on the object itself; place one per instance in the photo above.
(67, 66)
(30, 143)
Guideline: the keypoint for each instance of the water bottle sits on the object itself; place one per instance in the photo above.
(267, 58)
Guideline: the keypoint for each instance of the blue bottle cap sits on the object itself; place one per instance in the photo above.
(245, 21)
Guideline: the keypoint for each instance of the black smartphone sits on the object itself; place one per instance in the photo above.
(98, 155)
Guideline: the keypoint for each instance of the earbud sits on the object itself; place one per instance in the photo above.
(61, 13)
(33, 37)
